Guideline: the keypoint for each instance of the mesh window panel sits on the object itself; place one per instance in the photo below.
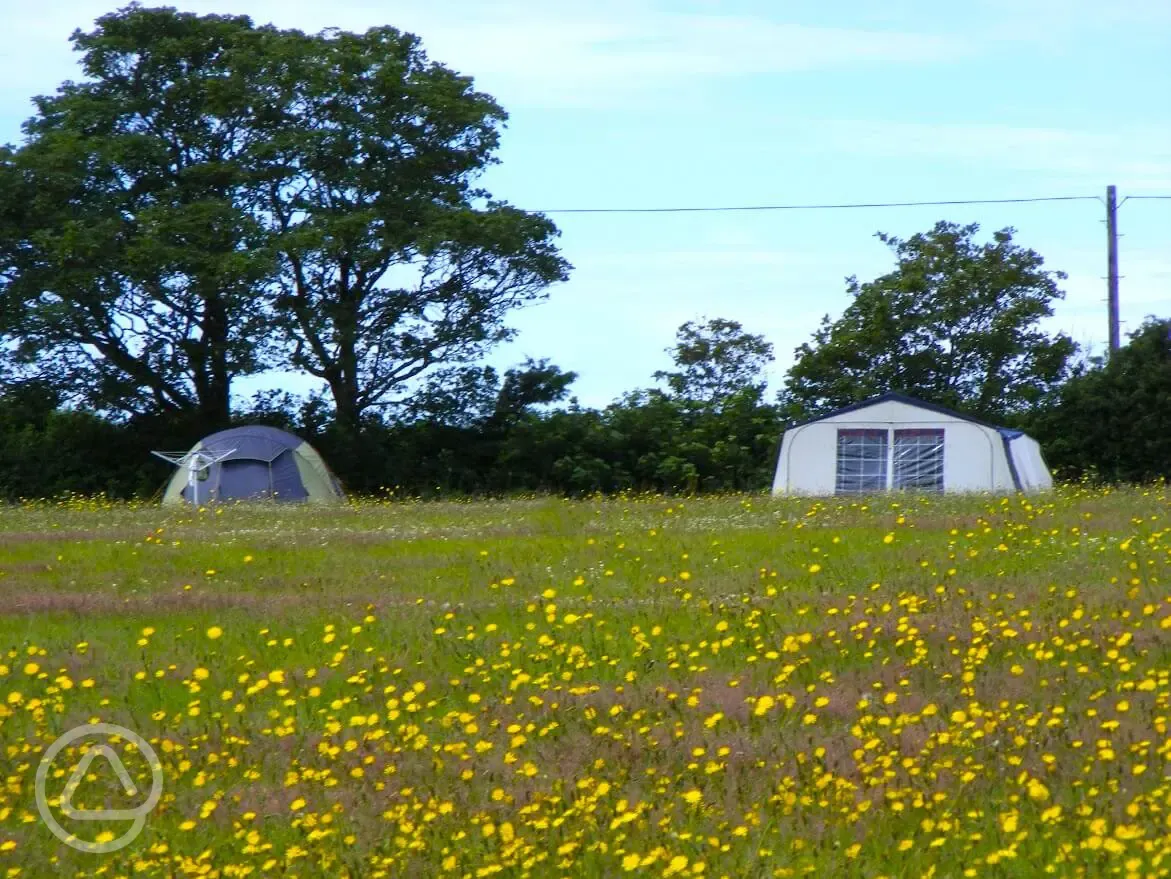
(918, 459)
(861, 461)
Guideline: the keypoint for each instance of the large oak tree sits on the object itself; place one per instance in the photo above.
(390, 260)
(218, 198)
(131, 269)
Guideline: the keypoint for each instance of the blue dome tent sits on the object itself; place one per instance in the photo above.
(250, 463)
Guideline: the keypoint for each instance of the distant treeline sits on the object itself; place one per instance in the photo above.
(647, 442)
(1110, 422)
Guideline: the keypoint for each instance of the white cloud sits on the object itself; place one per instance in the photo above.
(554, 55)
(1138, 158)
(525, 52)
(1051, 22)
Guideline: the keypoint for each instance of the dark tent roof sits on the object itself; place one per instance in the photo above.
(252, 443)
(255, 461)
(896, 397)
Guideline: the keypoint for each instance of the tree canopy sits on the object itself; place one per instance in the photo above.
(715, 360)
(955, 323)
(130, 268)
(1111, 421)
(218, 198)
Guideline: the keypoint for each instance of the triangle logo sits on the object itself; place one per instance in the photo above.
(78, 776)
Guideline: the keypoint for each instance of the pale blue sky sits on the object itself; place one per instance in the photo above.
(645, 104)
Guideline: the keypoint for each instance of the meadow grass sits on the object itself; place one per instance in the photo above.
(731, 686)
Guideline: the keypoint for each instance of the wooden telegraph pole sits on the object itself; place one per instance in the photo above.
(1112, 263)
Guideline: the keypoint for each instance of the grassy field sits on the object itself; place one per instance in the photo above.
(732, 686)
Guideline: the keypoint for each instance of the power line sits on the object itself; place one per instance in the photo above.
(829, 207)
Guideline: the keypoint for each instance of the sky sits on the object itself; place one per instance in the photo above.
(643, 104)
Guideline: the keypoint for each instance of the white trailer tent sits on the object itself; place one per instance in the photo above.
(896, 442)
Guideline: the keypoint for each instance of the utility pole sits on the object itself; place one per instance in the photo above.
(1112, 263)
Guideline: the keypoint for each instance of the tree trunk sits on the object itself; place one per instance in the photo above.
(209, 361)
(347, 412)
